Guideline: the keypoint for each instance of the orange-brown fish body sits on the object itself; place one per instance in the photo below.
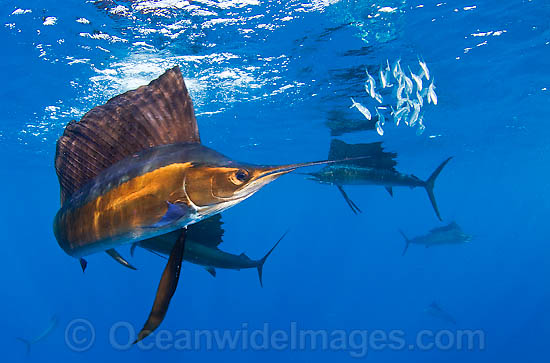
(128, 201)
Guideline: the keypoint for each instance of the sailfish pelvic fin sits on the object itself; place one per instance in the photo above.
(166, 289)
(354, 208)
(118, 258)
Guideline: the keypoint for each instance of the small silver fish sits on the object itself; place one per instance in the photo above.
(400, 114)
(371, 85)
(408, 84)
(378, 97)
(421, 126)
(402, 101)
(400, 90)
(425, 70)
(432, 96)
(396, 70)
(365, 111)
(419, 98)
(379, 128)
(424, 92)
(417, 80)
(384, 77)
(369, 88)
(416, 112)
(381, 117)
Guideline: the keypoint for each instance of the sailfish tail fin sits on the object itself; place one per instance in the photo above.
(27, 344)
(430, 183)
(262, 261)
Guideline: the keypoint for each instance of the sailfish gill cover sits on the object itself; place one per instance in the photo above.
(395, 88)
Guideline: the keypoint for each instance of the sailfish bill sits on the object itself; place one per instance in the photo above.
(134, 168)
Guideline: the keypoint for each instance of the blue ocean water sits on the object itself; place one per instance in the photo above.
(266, 78)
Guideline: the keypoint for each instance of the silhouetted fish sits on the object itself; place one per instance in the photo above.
(134, 169)
(201, 248)
(436, 311)
(51, 326)
(449, 234)
(379, 169)
(340, 122)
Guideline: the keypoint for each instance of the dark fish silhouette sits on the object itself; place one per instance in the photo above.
(201, 248)
(134, 168)
(379, 169)
(449, 234)
(340, 123)
(51, 326)
(436, 311)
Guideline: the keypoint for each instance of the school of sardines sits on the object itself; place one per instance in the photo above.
(410, 94)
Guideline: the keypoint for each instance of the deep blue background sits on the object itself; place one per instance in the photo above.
(334, 270)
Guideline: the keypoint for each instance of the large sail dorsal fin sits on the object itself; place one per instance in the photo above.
(159, 113)
(379, 158)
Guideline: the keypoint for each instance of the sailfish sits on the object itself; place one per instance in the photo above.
(378, 169)
(134, 169)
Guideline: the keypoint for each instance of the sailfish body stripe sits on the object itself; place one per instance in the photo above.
(123, 213)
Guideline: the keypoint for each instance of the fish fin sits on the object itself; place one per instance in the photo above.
(166, 289)
(244, 255)
(262, 261)
(133, 249)
(27, 344)
(173, 213)
(83, 264)
(378, 158)
(159, 113)
(407, 242)
(208, 232)
(390, 190)
(211, 270)
(449, 227)
(453, 224)
(354, 208)
(156, 253)
(118, 258)
(430, 183)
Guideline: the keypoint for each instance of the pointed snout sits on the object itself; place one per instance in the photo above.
(273, 172)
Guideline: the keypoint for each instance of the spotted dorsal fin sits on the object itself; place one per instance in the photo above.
(156, 114)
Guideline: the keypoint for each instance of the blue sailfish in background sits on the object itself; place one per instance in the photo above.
(378, 169)
(449, 234)
(45, 333)
(202, 248)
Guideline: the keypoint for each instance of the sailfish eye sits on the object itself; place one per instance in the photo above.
(239, 176)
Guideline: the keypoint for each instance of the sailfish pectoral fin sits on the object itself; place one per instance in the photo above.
(173, 213)
(355, 209)
(167, 286)
(118, 258)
